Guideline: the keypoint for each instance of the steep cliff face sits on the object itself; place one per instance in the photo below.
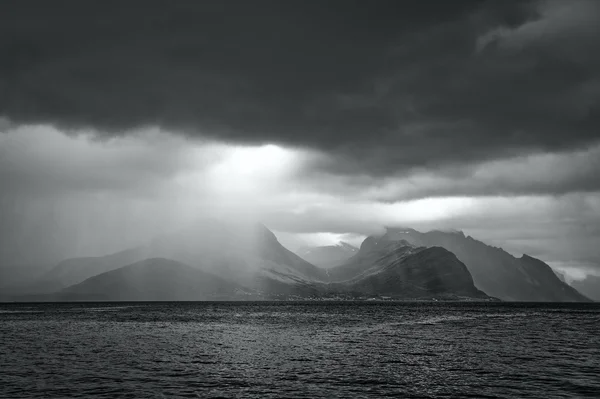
(401, 270)
(495, 271)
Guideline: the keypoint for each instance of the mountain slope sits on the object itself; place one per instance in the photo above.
(590, 287)
(74, 270)
(246, 253)
(495, 271)
(155, 279)
(561, 276)
(237, 250)
(401, 270)
(328, 256)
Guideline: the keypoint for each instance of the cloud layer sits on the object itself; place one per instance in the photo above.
(325, 120)
(72, 195)
(380, 86)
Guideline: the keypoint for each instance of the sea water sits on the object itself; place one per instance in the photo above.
(300, 350)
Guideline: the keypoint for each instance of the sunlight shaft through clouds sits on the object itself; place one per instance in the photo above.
(154, 180)
(481, 116)
(441, 156)
(251, 171)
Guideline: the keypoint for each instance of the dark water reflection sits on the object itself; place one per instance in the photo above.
(299, 350)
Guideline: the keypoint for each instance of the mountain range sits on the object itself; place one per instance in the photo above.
(212, 259)
(328, 256)
(401, 270)
(495, 271)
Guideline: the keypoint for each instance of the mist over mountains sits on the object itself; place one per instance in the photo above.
(477, 115)
(329, 255)
(589, 286)
(244, 253)
(213, 259)
(156, 279)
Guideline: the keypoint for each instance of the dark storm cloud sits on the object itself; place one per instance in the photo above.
(40, 161)
(536, 174)
(382, 86)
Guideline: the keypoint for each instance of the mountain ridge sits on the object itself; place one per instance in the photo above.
(494, 270)
(402, 263)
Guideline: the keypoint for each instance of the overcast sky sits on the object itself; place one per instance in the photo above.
(326, 120)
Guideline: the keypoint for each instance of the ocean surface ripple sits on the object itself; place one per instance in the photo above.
(300, 350)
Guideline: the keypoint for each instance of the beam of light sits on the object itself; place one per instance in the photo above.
(240, 179)
(251, 170)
